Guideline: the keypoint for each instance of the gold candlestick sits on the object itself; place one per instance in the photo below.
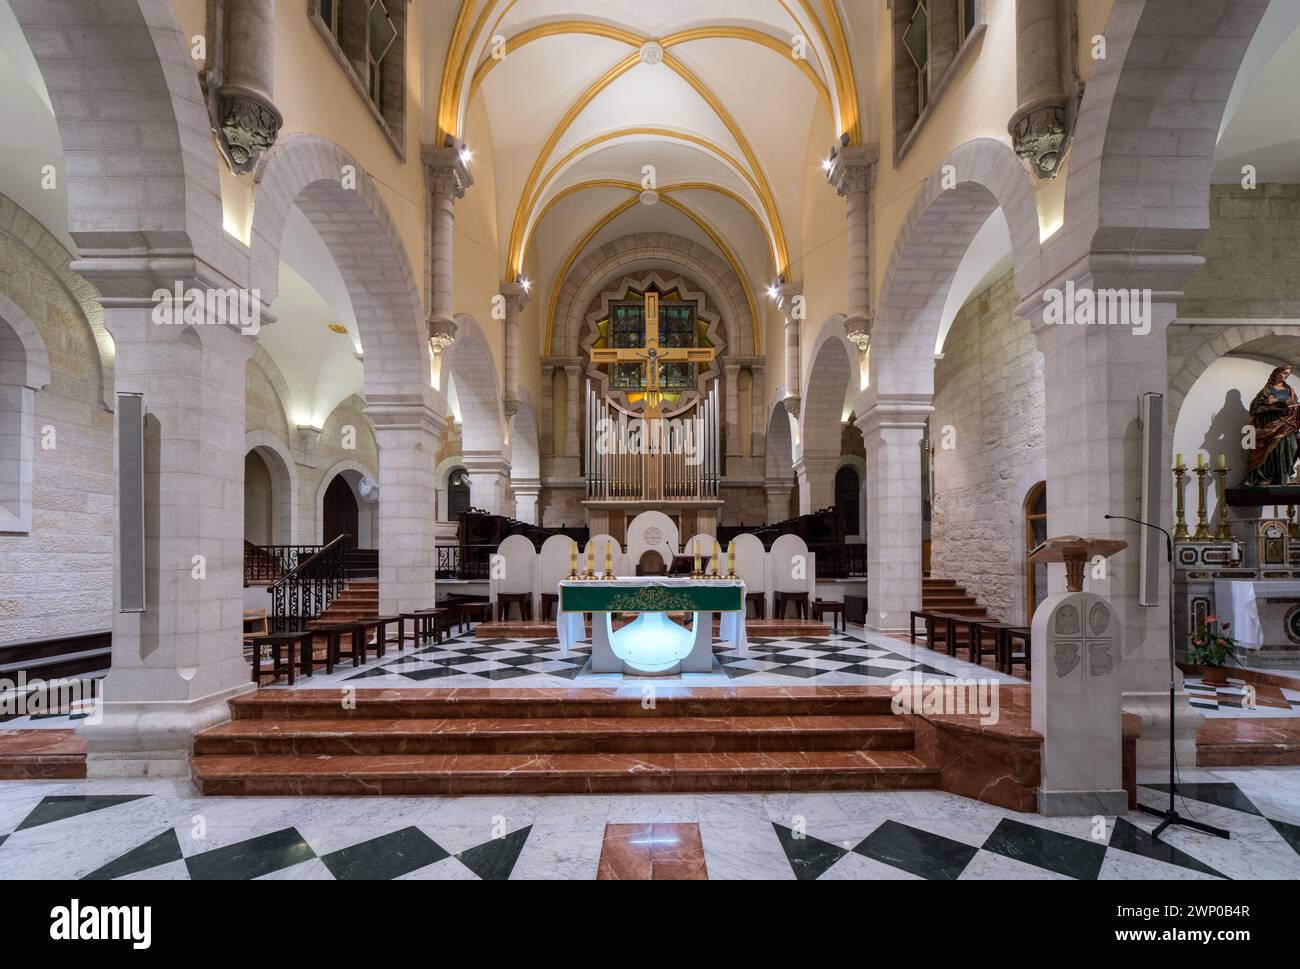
(1224, 532)
(1202, 533)
(731, 559)
(573, 562)
(1180, 511)
(609, 562)
(715, 562)
(698, 572)
(591, 561)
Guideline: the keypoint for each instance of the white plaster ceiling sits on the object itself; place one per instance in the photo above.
(29, 136)
(319, 365)
(1261, 125)
(775, 106)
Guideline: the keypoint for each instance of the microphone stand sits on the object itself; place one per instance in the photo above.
(1170, 815)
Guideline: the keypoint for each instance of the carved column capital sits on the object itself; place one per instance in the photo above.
(852, 169)
(1038, 135)
(445, 172)
(516, 297)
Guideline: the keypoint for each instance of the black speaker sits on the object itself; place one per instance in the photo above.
(130, 502)
(1150, 547)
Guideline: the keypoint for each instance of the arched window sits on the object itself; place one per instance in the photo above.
(1035, 535)
(847, 492)
(457, 494)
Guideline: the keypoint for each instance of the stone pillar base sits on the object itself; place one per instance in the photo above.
(1076, 804)
(1153, 743)
(152, 738)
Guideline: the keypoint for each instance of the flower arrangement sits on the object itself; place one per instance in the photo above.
(1212, 647)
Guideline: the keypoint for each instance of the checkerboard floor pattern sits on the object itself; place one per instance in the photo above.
(466, 659)
(1239, 699)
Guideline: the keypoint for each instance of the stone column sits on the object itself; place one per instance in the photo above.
(778, 500)
(448, 179)
(758, 410)
(1096, 376)
(572, 411)
(893, 432)
(546, 413)
(408, 434)
(241, 80)
(816, 474)
(1039, 128)
(853, 174)
(527, 491)
(516, 298)
(792, 306)
(731, 376)
(176, 664)
(489, 481)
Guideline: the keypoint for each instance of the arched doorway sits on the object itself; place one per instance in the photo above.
(1035, 535)
(259, 501)
(457, 494)
(340, 514)
(848, 489)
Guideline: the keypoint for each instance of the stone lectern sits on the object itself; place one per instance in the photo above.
(1076, 649)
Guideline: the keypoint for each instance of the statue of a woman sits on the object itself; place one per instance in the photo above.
(1275, 414)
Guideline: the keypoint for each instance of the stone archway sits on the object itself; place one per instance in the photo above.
(484, 448)
(778, 478)
(309, 172)
(817, 452)
(284, 484)
(24, 370)
(975, 179)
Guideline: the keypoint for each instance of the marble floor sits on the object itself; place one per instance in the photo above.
(163, 830)
(1237, 698)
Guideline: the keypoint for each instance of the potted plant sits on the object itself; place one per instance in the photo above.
(1213, 649)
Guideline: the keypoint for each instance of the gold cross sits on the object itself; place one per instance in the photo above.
(651, 355)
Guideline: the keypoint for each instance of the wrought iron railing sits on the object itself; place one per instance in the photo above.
(842, 561)
(267, 563)
(306, 590)
(467, 562)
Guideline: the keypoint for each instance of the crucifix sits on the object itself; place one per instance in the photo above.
(652, 355)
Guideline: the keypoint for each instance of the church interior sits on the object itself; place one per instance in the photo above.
(598, 439)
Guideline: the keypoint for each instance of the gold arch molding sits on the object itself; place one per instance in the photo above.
(562, 274)
(776, 240)
(469, 30)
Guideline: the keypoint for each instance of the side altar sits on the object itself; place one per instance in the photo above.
(652, 644)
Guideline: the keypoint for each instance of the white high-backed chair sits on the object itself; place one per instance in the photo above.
(751, 566)
(552, 568)
(651, 530)
(706, 550)
(513, 571)
(621, 567)
(792, 568)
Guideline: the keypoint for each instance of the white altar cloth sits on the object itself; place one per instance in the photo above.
(570, 629)
(1236, 602)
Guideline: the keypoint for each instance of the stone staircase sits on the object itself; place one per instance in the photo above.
(358, 600)
(945, 595)
(460, 742)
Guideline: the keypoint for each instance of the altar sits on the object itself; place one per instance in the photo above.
(1263, 616)
(652, 644)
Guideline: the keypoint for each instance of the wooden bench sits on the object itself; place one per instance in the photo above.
(290, 642)
(1007, 657)
(783, 601)
(334, 653)
(524, 600)
(823, 606)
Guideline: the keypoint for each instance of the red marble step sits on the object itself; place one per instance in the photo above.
(549, 735)
(1248, 742)
(459, 774)
(602, 702)
(41, 755)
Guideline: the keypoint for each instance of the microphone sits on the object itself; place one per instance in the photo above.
(1169, 539)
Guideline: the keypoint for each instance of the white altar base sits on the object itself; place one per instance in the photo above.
(653, 645)
(1258, 615)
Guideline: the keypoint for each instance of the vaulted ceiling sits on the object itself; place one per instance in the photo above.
(588, 101)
